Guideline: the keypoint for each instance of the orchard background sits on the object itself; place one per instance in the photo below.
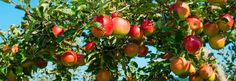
(109, 40)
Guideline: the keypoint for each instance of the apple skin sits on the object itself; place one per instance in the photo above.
(143, 50)
(212, 77)
(179, 66)
(41, 63)
(14, 49)
(114, 14)
(166, 56)
(5, 47)
(194, 23)
(136, 33)
(57, 31)
(80, 60)
(107, 26)
(90, 46)
(121, 26)
(148, 27)
(192, 44)
(223, 25)
(206, 71)
(182, 9)
(195, 78)
(217, 42)
(210, 29)
(69, 58)
(192, 69)
(103, 75)
(11, 76)
(131, 50)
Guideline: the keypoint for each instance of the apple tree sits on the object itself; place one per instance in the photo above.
(189, 39)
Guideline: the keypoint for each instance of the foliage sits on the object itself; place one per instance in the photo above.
(35, 39)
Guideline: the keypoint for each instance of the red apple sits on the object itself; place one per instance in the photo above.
(136, 33)
(148, 27)
(114, 14)
(103, 75)
(131, 49)
(143, 50)
(14, 49)
(166, 56)
(80, 60)
(226, 25)
(107, 27)
(11, 76)
(69, 58)
(210, 29)
(90, 46)
(182, 9)
(217, 42)
(121, 26)
(57, 31)
(192, 44)
(206, 71)
(179, 66)
(57, 58)
(195, 78)
(5, 47)
(194, 23)
(41, 63)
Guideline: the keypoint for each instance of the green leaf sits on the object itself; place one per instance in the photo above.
(60, 38)
(97, 25)
(134, 64)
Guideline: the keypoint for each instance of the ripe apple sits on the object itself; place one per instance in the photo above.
(194, 23)
(226, 25)
(107, 26)
(166, 56)
(80, 60)
(5, 47)
(195, 77)
(179, 66)
(114, 14)
(182, 9)
(192, 69)
(131, 50)
(212, 77)
(41, 63)
(121, 26)
(216, 1)
(136, 33)
(148, 27)
(11, 76)
(210, 29)
(14, 49)
(143, 50)
(90, 46)
(103, 75)
(57, 31)
(192, 44)
(217, 42)
(206, 71)
(69, 58)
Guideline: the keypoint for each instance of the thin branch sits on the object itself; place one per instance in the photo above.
(121, 9)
